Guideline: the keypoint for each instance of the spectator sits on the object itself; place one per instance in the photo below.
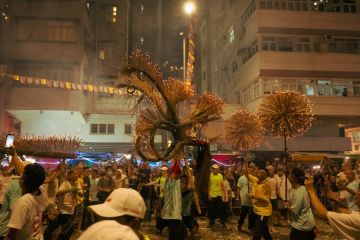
(108, 230)
(120, 179)
(283, 195)
(26, 216)
(351, 189)
(342, 221)
(5, 180)
(215, 202)
(67, 202)
(187, 199)
(303, 222)
(274, 203)
(246, 204)
(87, 185)
(262, 204)
(171, 211)
(226, 197)
(105, 184)
(124, 205)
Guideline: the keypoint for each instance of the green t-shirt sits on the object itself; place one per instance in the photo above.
(302, 217)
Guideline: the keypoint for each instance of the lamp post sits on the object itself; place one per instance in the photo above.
(184, 55)
(189, 9)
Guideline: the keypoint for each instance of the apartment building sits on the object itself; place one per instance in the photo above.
(77, 42)
(252, 48)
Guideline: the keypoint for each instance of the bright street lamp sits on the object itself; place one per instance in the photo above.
(189, 8)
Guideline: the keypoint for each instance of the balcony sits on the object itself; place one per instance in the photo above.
(276, 18)
(51, 9)
(45, 51)
(42, 98)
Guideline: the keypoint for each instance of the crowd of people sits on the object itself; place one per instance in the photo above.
(116, 198)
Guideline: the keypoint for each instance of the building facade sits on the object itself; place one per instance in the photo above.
(78, 43)
(252, 48)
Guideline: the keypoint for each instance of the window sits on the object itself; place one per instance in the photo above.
(102, 54)
(343, 45)
(234, 66)
(302, 44)
(94, 129)
(356, 88)
(285, 44)
(324, 87)
(246, 94)
(346, 6)
(127, 129)
(269, 44)
(39, 30)
(114, 14)
(102, 129)
(291, 5)
(60, 31)
(256, 87)
(349, 6)
(108, 50)
(356, 137)
(111, 128)
(231, 34)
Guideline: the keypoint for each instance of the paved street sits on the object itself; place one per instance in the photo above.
(218, 233)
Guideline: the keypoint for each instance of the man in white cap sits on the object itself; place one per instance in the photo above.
(108, 230)
(126, 206)
(215, 201)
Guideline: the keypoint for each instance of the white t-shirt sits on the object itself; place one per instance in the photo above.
(51, 189)
(67, 201)
(347, 225)
(225, 191)
(243, 185)
(26, 216)
(272, 182)
(280, 187)
(93, 189)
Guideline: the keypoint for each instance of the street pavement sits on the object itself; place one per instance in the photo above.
(219, 233)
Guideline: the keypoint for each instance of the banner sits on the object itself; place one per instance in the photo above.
(69, 85)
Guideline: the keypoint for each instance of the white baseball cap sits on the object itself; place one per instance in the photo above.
(215, 166)
(108, 230)
(122, 201)
(164, 168)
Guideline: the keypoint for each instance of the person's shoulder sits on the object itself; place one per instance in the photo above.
(24, 201)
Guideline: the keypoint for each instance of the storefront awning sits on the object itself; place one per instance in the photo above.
(314, 157)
